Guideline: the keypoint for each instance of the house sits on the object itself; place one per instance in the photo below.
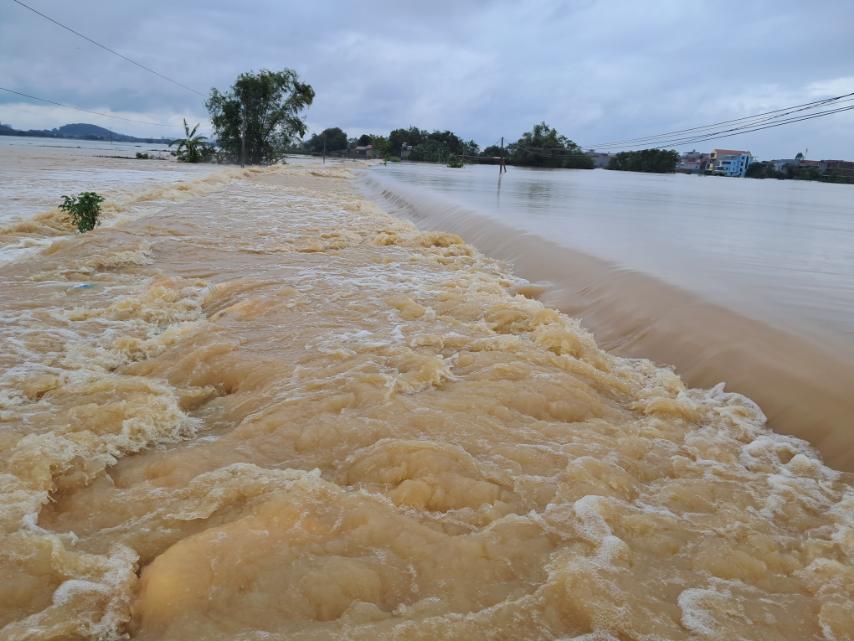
(838, 168)
(729, 162)
(600, 158)
(780, 163)
(364, 151)
(693, 162)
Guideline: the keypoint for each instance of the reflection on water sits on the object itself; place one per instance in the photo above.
(781, 251)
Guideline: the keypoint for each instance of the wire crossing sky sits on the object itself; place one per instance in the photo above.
(96, 113)
(599, 72)
(744, 122)
(108, 49)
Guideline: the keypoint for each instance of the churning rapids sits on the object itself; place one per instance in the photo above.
(270, 410)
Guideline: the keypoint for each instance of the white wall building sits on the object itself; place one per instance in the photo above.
(729, 162)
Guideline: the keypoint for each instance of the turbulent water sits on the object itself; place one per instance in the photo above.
(37, 171)
(745, 281)
(270, 410)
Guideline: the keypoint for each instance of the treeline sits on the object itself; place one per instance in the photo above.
(543, 146)
(657, 161)
(412, 143)
(792, 171)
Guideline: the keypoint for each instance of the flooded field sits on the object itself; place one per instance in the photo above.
(37, 171)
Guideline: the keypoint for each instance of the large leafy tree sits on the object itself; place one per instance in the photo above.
(412, 137)
(335, 138)
(382, 147)
(436, 146)
(543, 146)
(492, 151)
(266, 108)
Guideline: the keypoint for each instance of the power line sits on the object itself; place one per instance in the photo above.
(756, 122)
(746, 123)
(768, 123)
(787, 110)
(97, 113)
(112, 51)
(750, 128)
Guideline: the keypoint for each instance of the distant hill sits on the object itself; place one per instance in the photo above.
(78, 131)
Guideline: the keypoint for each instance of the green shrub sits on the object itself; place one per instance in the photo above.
(192, 148)
(454, 161)
(142, 156)
(84, 210)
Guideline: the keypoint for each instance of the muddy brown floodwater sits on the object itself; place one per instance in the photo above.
(273, 411)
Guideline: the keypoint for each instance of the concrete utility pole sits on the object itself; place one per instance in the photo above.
(242, 134)
(242, 144)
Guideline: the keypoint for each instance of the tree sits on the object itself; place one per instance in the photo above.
(437, 146)
(263, 108)
(543, 146)
(493, 151)
(758, 170)
(799, 156)
(412, 137)
(335, 138)
(430, 150)
(658, 161)
(382, 147)
(192, 147)
(364, 140)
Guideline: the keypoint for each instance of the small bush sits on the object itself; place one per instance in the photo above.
(84, 210)
(142, 156)
(455, 162)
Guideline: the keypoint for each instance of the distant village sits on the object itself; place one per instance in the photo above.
(738, 163)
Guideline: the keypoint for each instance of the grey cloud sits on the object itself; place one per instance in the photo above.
(598, 71)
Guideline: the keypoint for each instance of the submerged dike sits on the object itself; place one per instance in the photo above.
(802, 384)
(273, 410)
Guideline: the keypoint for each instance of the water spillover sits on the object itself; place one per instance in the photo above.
(270, 410)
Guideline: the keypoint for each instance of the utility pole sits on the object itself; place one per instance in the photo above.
(324, 150)
(242, 134)
(502, 168)
(242, 144)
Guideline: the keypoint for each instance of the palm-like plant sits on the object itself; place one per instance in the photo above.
(192, 148)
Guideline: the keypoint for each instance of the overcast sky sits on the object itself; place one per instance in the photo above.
(597, 71)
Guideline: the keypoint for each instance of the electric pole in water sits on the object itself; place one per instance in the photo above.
(242, 145)
(242, 135)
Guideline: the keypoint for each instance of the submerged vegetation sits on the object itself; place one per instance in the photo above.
(657, 161)
(543, 146)
(192, 147)
(795, 171)
(84, 210)
(455, 162)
